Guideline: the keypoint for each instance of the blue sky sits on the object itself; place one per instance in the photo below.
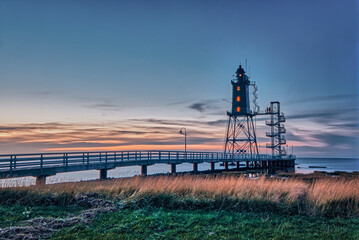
(133, 72)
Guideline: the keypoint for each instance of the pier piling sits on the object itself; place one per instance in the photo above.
(41, 180)
(103, 174)
(173, 168)
(226, 165)
(213, 166)
(195, 167)
(144, 170)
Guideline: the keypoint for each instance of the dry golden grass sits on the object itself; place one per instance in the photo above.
(339, 195)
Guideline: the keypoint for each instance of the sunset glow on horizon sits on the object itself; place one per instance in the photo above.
(118, 76)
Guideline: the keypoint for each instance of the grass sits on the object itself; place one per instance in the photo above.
(198, 207)
(160, 223)
(322, 197)
(13, 215)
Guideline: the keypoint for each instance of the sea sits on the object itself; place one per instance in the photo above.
(303, 165)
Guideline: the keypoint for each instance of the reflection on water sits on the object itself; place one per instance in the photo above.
(303, 166)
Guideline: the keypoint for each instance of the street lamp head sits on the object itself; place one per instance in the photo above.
(182, 131)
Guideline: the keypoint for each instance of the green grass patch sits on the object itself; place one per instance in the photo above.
(30, 198)
(13, 215)
(159, 223)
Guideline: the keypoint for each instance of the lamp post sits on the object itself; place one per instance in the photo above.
(183, 131)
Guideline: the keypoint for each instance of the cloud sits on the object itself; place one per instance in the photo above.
(220, 122)
(152, 133)
(177, 103)
(103, 106)
(314, 114)
(350, 124)
(189, 123)
(290, 136)
(207, 106)
(334, 140)
(139, 134)
(347, 117)
(200, 107)
(42, 93)
(337, 97)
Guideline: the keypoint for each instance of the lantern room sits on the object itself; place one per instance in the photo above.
(240, 94)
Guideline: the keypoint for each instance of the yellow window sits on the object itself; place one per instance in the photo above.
(238, 88)
(238, 109)
(238, 98)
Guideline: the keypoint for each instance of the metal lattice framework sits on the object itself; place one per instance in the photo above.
(255, 97)
(241, 137)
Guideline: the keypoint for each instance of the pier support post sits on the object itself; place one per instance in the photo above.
(237, 165)
(225, 165)
(41, 180)
(143, 170)
(173, 168)
(195, 167)
(103, 174)
(213, 166)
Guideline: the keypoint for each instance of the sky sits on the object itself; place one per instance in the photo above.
(123, 75)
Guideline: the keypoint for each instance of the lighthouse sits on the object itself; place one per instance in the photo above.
(240, 133)
(241, 141)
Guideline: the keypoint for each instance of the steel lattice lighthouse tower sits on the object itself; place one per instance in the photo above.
(241, 141)
(240, 133)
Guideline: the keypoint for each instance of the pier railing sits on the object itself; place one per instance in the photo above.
(40, 160)
(77, 161)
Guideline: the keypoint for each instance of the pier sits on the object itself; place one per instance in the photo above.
(42, 165)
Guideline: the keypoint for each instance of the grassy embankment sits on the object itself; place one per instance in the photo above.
(207, 207)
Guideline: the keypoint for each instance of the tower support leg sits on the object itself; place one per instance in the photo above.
(241, 139)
